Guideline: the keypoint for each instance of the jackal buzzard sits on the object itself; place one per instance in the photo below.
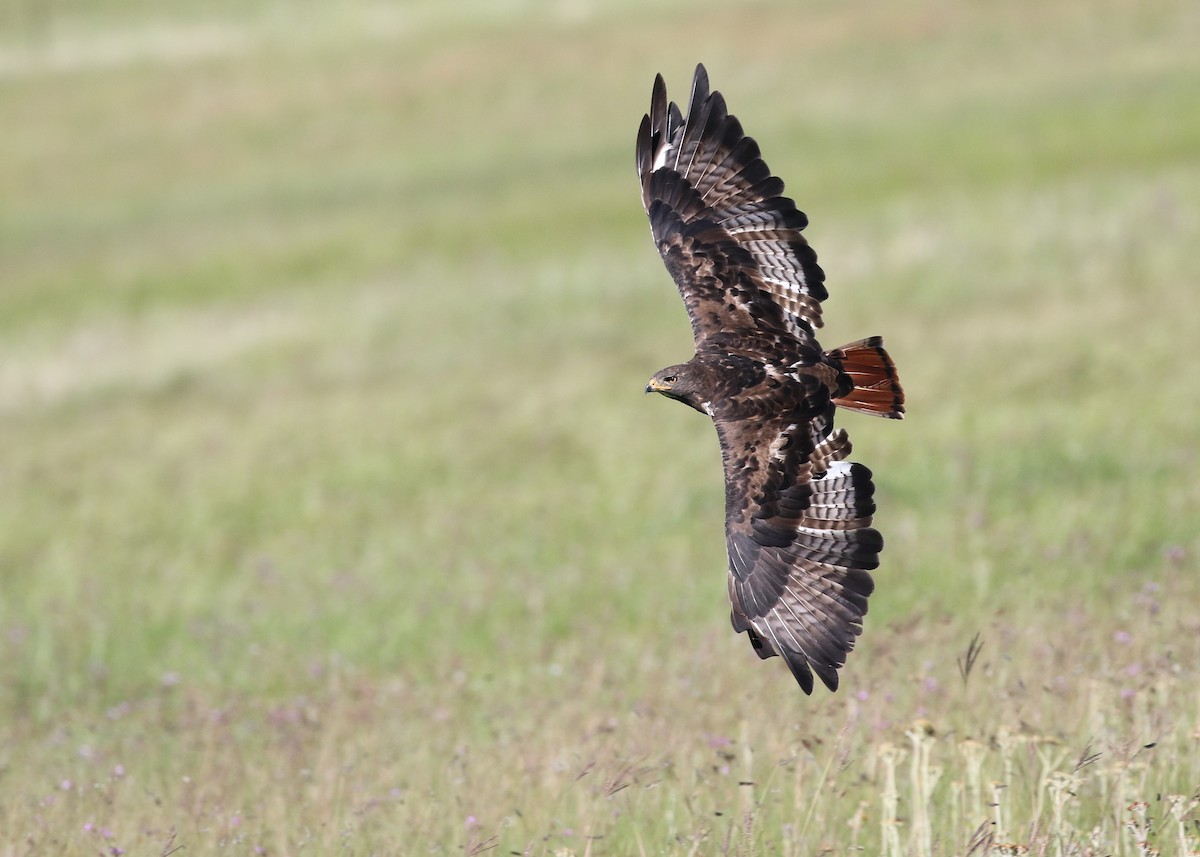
(797, 514)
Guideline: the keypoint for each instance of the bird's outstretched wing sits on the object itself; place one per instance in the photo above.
(801, 546)
(729, 238)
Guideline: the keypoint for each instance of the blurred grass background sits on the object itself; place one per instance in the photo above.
(332, 515)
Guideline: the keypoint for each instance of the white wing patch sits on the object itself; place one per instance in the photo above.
(660, 159)
(778, 444)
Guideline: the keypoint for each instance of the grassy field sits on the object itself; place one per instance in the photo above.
(333, 518)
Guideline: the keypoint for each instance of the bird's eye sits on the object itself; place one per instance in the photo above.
(670, 379)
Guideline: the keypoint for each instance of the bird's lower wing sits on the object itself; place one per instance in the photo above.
(801, 546)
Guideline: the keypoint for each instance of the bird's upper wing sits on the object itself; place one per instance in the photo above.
(798, 531)
(729, 238)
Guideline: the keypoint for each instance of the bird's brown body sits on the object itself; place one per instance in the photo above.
(798, 515)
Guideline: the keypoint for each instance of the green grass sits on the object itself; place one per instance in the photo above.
(333, 519)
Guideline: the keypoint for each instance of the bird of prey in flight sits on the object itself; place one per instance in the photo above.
(797, 512)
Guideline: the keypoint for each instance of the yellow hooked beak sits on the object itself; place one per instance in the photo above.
(657, 386)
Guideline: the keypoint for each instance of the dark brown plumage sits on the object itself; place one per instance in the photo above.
(797, 513)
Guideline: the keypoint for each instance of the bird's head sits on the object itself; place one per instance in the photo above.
(681, 383)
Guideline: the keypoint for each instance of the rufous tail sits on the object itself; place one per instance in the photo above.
(876, 389)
